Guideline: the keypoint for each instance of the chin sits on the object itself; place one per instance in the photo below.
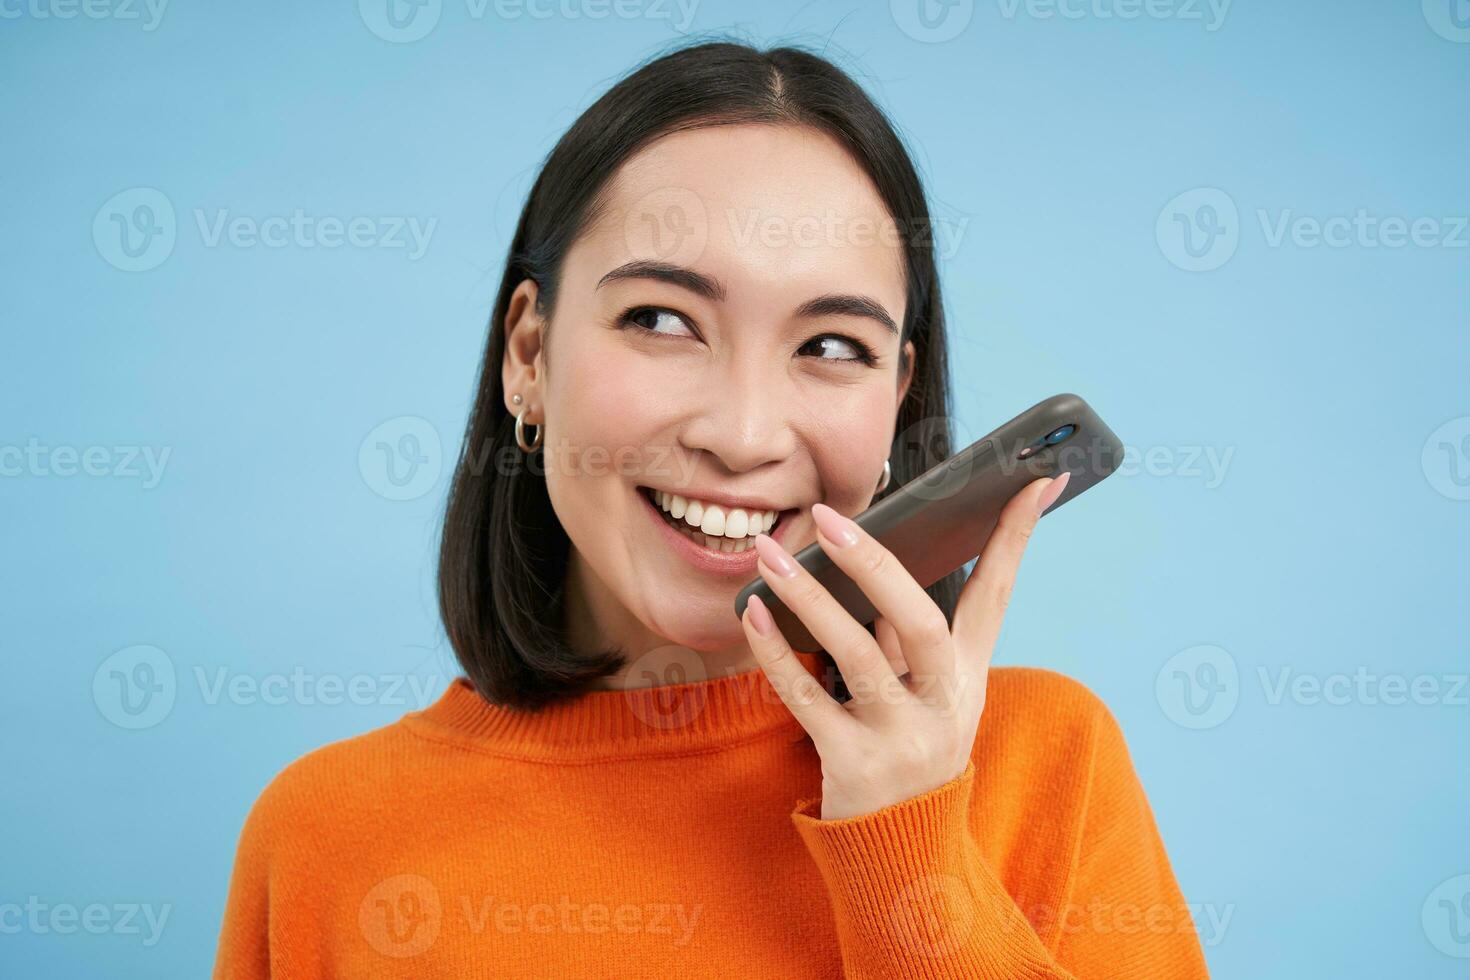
(704, 634)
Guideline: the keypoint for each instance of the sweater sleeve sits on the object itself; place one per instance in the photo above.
(243, 952)
(914, 897)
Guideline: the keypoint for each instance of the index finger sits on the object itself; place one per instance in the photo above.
(816, 710)
(923, 631)
(987, 592)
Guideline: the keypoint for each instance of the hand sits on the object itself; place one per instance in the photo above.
(919, 687)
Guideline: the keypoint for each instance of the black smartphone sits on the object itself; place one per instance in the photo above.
(941, 519)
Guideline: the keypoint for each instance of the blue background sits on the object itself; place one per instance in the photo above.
(1331, 542)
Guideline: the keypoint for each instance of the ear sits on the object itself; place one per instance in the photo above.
(908, 376)
(523, 368)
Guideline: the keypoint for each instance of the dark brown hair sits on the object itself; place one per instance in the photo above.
(503, 556)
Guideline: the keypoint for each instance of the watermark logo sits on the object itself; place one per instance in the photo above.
(135, 687)
(1446, 459)
(401, 458)
(1198, 687)
(135, 230)
(669, 692)
(1199, 230)
(934, 915)
(1450, 19)
(934, 437)
(1446, 917)
(400, 916)
(669, 225)
(400, 21)
(932, 21)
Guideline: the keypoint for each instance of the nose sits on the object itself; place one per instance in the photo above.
(742, 418)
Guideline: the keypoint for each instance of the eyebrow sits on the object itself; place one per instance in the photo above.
(830, 304)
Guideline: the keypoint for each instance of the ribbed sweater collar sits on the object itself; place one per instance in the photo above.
(673, 719)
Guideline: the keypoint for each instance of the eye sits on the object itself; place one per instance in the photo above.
(656, 319)
(859, 352)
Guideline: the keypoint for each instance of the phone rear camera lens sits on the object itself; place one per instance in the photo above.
(1060, 434)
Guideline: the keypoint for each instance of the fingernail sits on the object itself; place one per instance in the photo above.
(775, 556)
(1052, 492)
(834, 526)
(760, 616)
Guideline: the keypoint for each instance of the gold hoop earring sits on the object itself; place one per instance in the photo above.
(521, 434)
(887, 476)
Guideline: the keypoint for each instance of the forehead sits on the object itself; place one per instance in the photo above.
(776, 211)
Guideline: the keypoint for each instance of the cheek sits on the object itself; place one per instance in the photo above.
(603, 420)
(602, 397)
(627, 401)
(853, 436)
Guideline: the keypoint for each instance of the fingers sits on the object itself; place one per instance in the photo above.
(854, 649)
(921, 627)
(987, 592)
(888, 640)
(813, 707)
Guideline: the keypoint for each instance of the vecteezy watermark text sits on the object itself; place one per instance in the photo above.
(138, 686)
(41, 918)
(137, 229)
(402, 916)
(1210, 13)
(302, 230)
(1201, 686)
(35, 459)
(148, 12)
(406, 21)
(1201, 229)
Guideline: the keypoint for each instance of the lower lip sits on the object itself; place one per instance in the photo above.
(702, 558)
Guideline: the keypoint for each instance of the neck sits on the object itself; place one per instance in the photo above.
(596, 620)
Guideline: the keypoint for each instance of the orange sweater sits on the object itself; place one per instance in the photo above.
(675, 832)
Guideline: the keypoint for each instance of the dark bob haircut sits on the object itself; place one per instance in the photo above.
(503, 556)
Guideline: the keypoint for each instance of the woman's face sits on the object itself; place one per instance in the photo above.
(726, 331)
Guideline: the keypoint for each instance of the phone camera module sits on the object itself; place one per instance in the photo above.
(1056, 436)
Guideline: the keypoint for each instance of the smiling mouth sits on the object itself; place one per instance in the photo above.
(755, 522)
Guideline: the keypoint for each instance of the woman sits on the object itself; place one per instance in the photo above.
(719, 331)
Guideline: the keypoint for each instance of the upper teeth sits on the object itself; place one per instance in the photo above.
(714, 520)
